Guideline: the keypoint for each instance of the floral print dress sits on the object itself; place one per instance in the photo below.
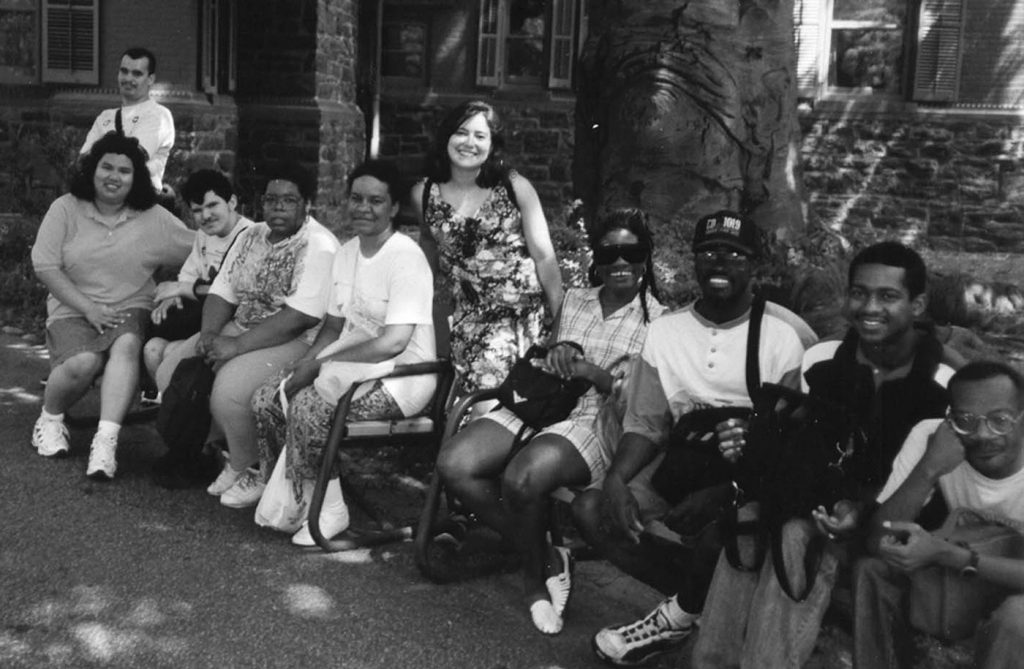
(489, 277)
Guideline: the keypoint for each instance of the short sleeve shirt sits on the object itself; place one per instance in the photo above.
(111, 262)
(261, 277)
(689, 363)
(394, 287)
(208, 253)
(964, 487)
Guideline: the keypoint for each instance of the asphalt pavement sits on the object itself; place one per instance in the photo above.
(127, 574)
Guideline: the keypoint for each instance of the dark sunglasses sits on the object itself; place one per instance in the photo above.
(631, 253)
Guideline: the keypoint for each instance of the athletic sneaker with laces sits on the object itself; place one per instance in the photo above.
(246, 492)
(656, 633)
(224, 480)
(102, 457)
(50, 438)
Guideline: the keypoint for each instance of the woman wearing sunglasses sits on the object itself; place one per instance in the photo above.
(484, 233)
(608, 322)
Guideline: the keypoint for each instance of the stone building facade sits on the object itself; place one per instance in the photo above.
(247, 83)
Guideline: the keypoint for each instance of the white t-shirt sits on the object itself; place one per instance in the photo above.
(208, 253)
(394, 287)
(962, 487)
(150, 123)
(691, 363)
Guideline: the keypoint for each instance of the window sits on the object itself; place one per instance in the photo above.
(19, 42)
(528, 42)
(853, 46)
(217, 63)
(404, 50)
(70, 49)
(914, 50)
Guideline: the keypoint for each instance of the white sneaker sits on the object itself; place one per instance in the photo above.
(638, 642)
(50, 438)
(332, 523)
(102, 458)
(246, 492)
(224, 481)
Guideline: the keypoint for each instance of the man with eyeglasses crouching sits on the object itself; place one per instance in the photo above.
(974, 459)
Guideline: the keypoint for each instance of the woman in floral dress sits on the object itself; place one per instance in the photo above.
(485, 235)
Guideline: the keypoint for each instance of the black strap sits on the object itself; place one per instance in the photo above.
(510, 191)
(228, 249)
(426, 198)
(812, 561)
(118, 124)
(731, 527)
(754, 346)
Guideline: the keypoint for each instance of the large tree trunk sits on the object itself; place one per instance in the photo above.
(684, 108)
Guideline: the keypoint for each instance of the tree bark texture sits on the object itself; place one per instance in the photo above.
(685, 108)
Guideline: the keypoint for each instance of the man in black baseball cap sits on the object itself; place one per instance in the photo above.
(727, 228)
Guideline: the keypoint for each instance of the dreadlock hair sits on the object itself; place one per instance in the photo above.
(635, 221)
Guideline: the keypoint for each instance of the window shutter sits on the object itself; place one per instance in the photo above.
(937, 70)
(487, 68)
(563, 25)
(807, 36)
(70, 43)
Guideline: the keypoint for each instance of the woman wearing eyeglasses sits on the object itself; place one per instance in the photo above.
(608, 322)
(485, 235)
(261, 314)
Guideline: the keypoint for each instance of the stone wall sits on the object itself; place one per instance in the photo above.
(950, 180)
(297, 95)
(538, 140)
(40, 137)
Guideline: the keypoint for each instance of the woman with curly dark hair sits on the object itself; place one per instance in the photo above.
(485, 235)
(96, 251)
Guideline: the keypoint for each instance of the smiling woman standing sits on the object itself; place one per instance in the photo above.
(484, 232)
(379, 310)
(96, 251)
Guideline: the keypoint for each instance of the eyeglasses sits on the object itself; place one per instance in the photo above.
(999, 422)
(287, 201)
(631, 253)
(731, 257)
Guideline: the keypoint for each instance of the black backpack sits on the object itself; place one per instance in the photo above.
(184, 422)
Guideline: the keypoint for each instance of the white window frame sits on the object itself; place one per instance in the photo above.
(812, 35)
(564, 30)
(213, 16)
(83, 71)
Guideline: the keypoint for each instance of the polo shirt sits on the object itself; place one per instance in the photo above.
(112, 263)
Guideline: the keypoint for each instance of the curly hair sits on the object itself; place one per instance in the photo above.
(494, 169)
(635, 221)
(141, 196)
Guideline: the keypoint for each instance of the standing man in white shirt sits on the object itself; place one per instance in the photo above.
(139, 116)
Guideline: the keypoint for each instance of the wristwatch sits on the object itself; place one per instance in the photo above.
(970, 570)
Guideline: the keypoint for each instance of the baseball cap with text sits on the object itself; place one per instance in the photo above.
(727, 228)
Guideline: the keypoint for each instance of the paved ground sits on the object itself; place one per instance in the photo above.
(126, 574)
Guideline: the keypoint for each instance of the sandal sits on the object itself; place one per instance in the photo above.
(559, 586)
